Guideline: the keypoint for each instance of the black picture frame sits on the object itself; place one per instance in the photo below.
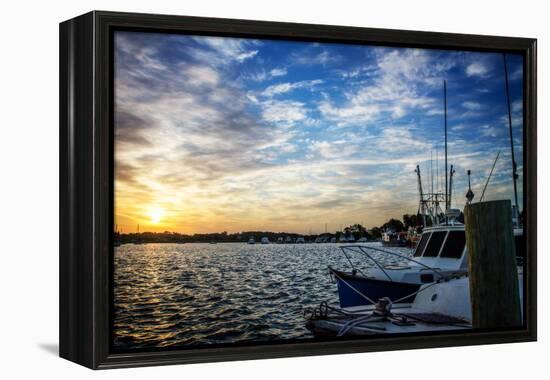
(86, 184)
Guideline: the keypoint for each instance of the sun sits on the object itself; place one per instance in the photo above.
(156, 214)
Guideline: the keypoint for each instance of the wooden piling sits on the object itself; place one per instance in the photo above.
(492, 265)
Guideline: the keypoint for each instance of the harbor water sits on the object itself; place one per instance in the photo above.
(190, 295)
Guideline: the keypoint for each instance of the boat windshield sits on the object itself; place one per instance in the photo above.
(434, 245)
(454, 245)
(421, 245)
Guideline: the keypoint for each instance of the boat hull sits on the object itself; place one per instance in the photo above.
(349, 285)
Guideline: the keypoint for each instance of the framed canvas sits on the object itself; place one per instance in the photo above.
(235, 189)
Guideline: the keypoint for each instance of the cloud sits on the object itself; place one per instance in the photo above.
(201, 76)
(230, 48)
(308, 58)
(286, 111)
(278, 72)
(282, 88)
(472, 106)
(394, 92)
(263, 75)
(476, 69)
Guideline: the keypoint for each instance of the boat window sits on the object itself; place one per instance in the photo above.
(435, 244)
(421, 245)
(454, 246)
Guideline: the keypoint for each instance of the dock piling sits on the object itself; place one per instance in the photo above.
(492, 265)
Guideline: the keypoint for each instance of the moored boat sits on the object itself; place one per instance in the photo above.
(440, 253)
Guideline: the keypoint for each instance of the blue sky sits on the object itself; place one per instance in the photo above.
(237, 134)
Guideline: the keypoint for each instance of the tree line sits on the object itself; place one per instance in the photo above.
(357, 230)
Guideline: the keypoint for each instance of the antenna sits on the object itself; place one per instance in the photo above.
(514, 166)
(489, 178)
(446, 173)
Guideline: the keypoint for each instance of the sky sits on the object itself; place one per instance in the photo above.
(226, 134)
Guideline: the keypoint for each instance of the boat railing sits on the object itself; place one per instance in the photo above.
(362, 249)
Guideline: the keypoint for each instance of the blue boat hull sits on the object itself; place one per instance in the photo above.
(372, 288)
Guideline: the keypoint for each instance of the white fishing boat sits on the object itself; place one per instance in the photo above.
(265, 240)
(441, 253)
(251, 240)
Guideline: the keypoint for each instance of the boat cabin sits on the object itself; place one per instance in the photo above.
(443, 247)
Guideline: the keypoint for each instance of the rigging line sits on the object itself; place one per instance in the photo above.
(421, 289)
(355, 290)
(514, 166)
(489, 178)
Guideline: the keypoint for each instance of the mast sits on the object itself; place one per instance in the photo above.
(451, 185)
(446, 168)
(422, 204)
(432, 169)
(514, 166)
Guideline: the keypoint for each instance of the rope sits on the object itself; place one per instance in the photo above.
(352, 323)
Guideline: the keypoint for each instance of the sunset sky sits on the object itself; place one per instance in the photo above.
(224, 134)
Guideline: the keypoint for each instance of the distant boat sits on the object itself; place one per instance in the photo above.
(213, 242)
(116, 241)
(321, 239)
(300, 240)
(251, 241)
(394, 239)
(265, 240)
(138, 238)
(280, 240)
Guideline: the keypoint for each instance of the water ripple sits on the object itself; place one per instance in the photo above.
(169, 295)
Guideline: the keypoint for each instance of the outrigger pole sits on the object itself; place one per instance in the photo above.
(514, 165)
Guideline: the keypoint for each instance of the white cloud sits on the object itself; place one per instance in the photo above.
(281, 88)
(225, 49)
(286, 112)
(200, 76)
(322, 58)
(394, 91)
(476, 69)
(278, 72)
(472, 106)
